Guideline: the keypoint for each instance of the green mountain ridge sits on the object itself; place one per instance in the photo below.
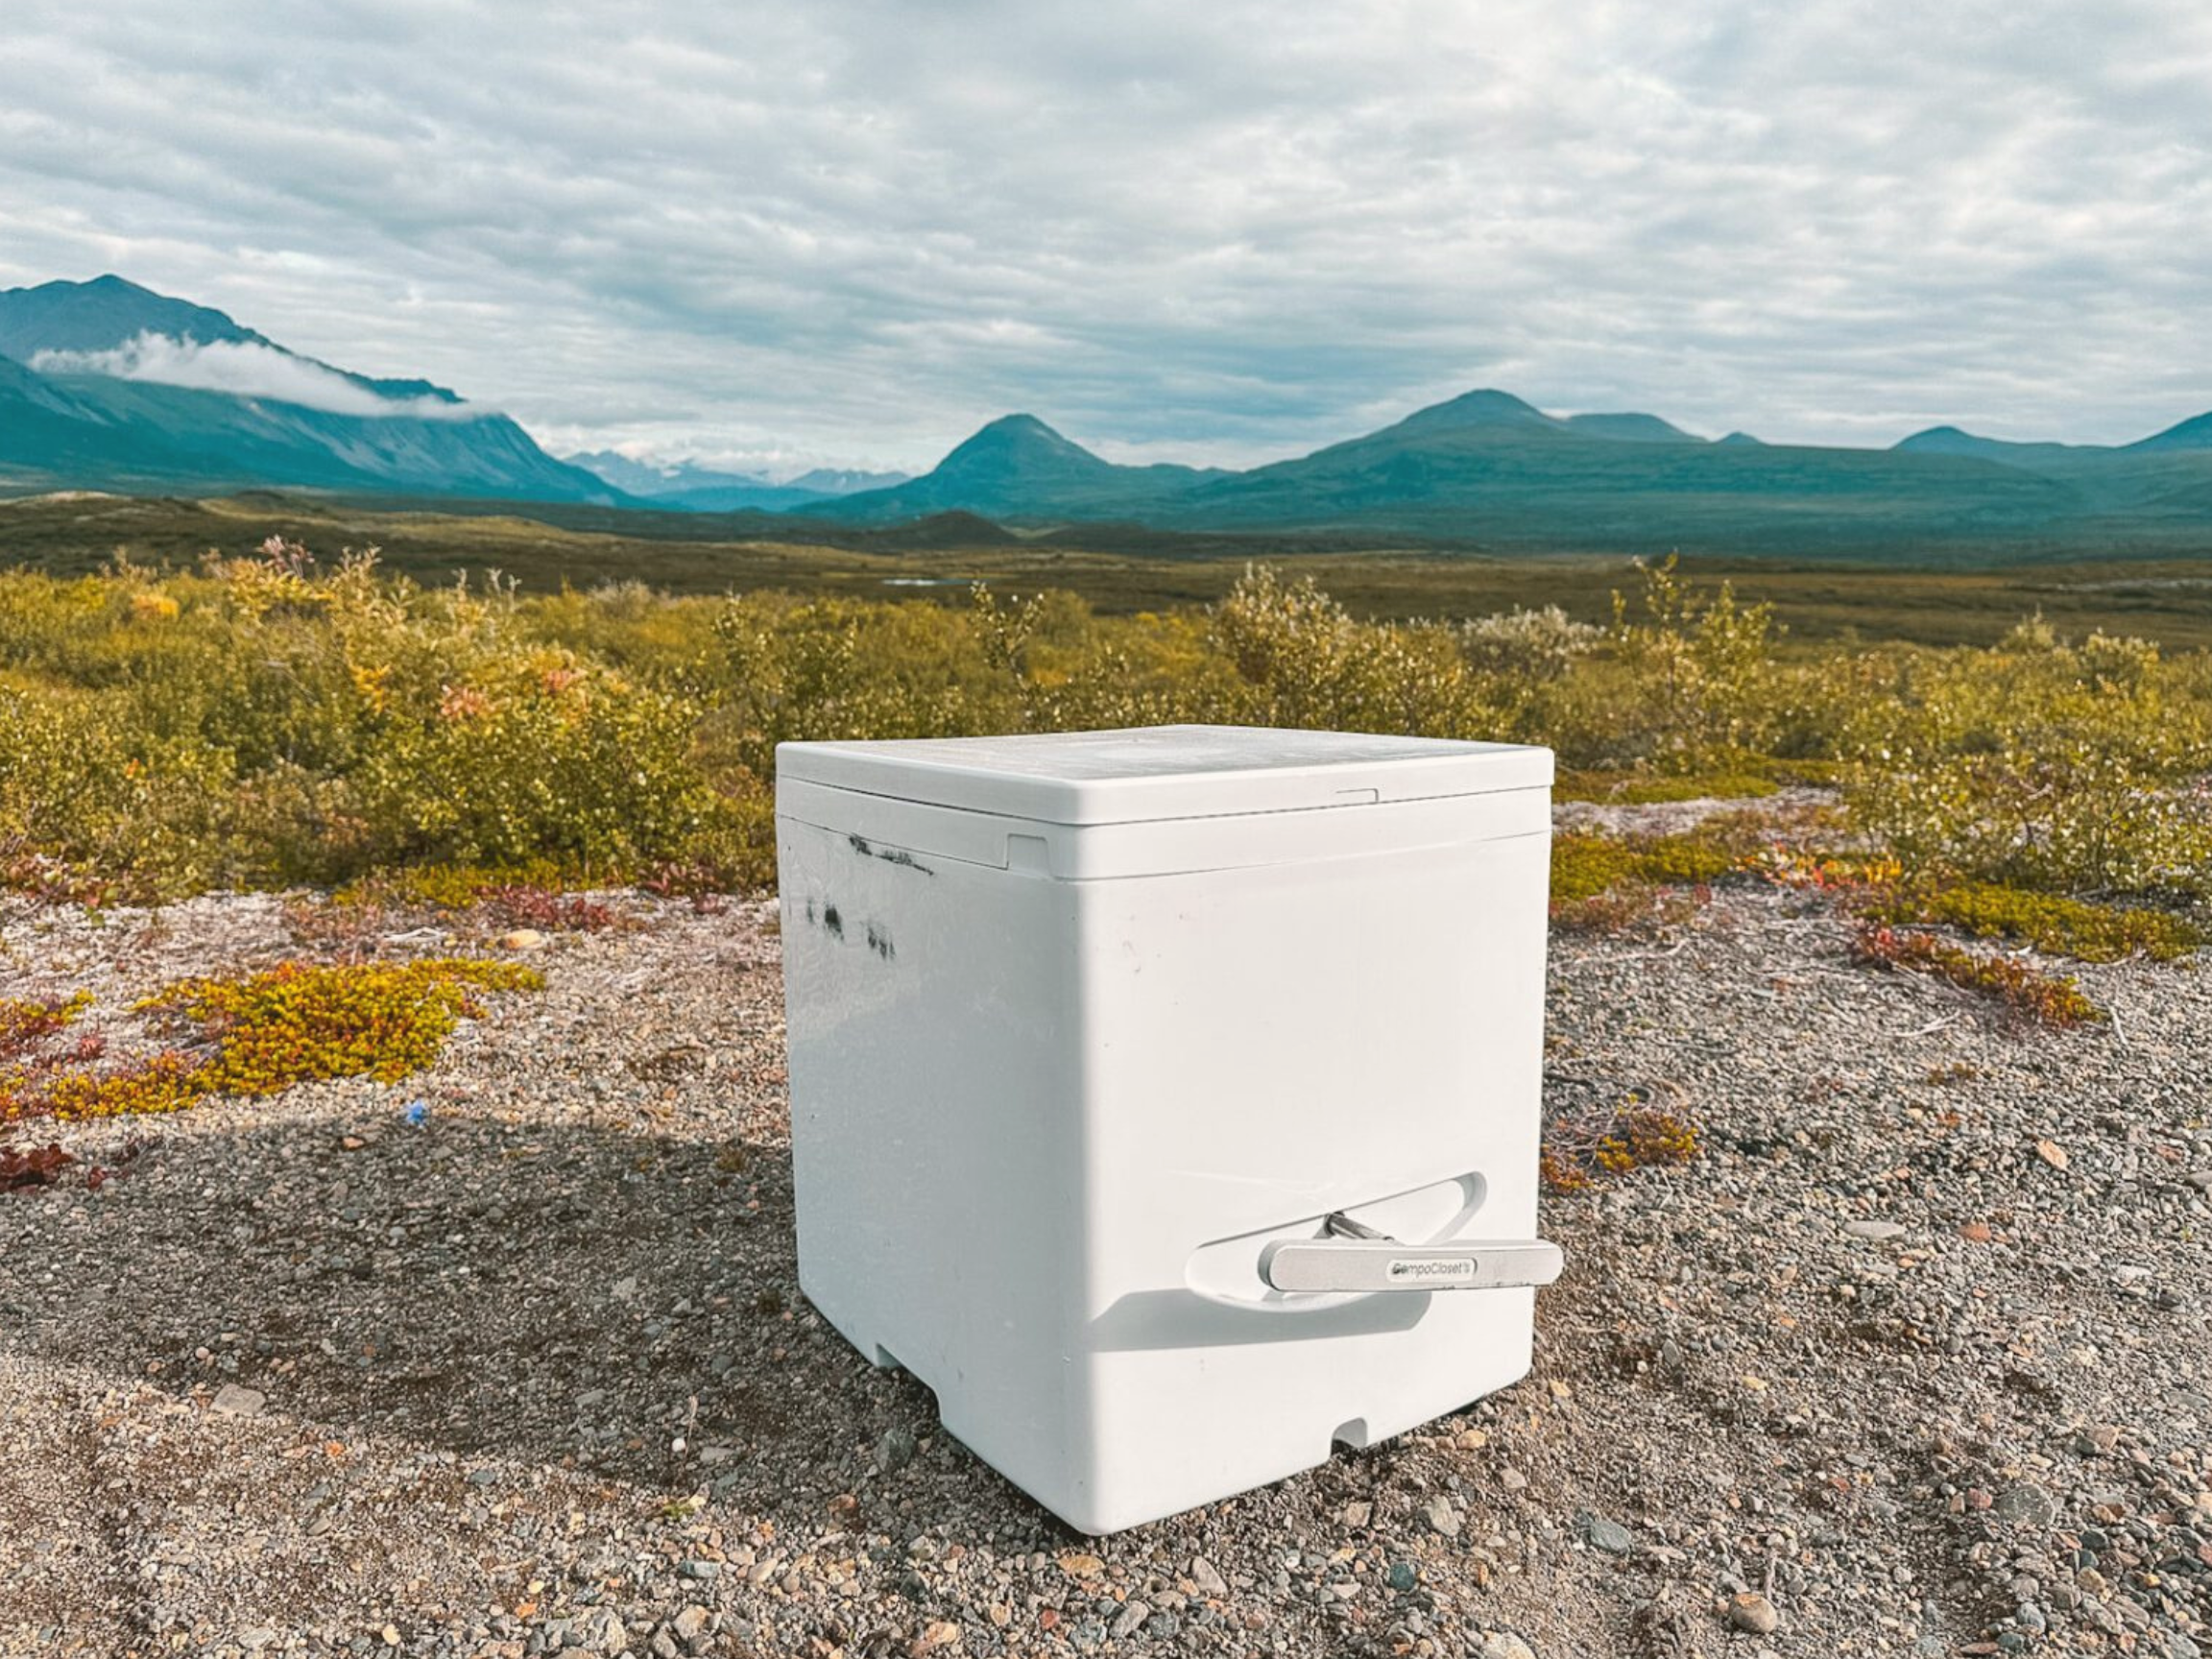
(1011, 467)
(82, 406)
(1490, 468)
(64, 423)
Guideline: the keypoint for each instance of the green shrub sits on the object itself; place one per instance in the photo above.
(2045, 768)
(267, 721)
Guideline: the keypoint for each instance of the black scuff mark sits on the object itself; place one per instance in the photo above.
(897, 855)
(834, 922)
(811, 918)
(879, 942)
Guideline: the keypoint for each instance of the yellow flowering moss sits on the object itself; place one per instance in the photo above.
(24, 1020)
(298, 1024)
(165, 1083)
(263, 1034)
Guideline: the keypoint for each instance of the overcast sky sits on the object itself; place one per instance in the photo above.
(852, 232)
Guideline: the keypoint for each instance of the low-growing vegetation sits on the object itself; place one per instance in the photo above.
(257, 1035)
(2046, 998)
(2051, 922)
(1584, 1147)
(273, 721)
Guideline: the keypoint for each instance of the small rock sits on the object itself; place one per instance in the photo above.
(665, 1645)
(2024, 1504)
(1403, 1575)
(896, 1450)
(1164, 1626)
(1357, 1514)
(1501, 1645)
(1608, 1536)
(1078, 1565)
(2052, 1153)
(1439, 1515)
(1753, 1612)
(239, 1402)
(522, 938)
(1209, 1581)
(1512, 1480)
(2201, 1180)
(937, 1633)
(1130, 1618)
(703, 1572)
(1874, 1230)
(690, 1623)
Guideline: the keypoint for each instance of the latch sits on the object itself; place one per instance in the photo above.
(1355, 1256)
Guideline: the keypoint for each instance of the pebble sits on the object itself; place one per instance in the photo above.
(239, 1402)
(896, 1450)
(1876, 1231)
(1501, 1645)
(1608, 1536)
(1441, 1517)
(1131, 1617)
(1751, 1612)
(2024, 1504)
(599, 1632)
(1209, 1581)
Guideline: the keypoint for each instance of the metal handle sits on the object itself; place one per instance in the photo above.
(1355, 1256)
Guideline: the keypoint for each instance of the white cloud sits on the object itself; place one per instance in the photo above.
(856, 229)
(245, 369)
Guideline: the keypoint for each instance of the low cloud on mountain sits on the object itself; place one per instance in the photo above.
(246, 370)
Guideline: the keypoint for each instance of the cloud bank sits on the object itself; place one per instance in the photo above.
(851, 230)
(244, 368)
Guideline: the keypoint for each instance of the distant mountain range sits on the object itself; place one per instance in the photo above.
(106, 385)
(685, 486)
(1488, 467)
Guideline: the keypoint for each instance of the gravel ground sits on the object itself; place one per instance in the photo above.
(1913, 1361)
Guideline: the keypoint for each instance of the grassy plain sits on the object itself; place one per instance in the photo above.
(1118, 571)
